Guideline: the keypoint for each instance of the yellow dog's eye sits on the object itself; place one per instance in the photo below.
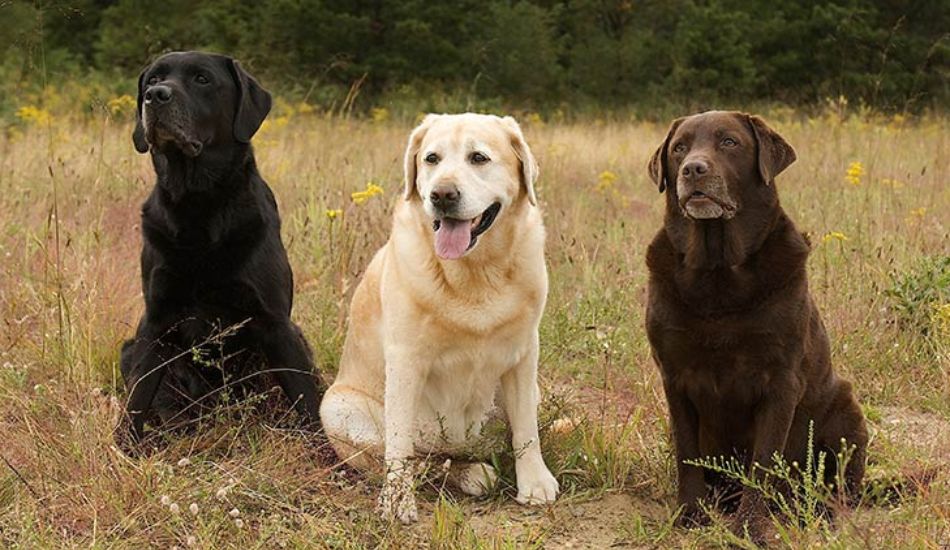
(478, 158)
(432, 158)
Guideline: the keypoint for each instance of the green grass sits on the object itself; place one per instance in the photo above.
(70, 191)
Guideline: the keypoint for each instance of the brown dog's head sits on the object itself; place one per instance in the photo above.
(719, 161)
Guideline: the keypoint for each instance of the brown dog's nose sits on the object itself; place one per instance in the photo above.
(445, 197)
(695, 168)
(158, 94)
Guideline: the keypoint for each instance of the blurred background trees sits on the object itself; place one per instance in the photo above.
(541, 55)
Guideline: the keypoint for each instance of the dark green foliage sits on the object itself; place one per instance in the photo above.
(915, 293)
(539, 54)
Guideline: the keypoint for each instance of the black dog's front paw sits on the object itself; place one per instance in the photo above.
(131, 440)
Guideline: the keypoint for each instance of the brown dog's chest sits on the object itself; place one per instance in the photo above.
(723, 369)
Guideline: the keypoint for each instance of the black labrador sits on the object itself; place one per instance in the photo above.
(217, 283)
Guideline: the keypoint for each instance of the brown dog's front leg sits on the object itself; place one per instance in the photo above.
(773, 420)
(691, 484)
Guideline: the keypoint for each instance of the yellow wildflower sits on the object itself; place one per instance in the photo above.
(605, 181)
(334, 213)
(917, 213)
(892, 183)
(34, 115)
(833, 236)
(379, 114)
(534, 118)
(359, 197)
(304, 108)
(854, 173)
(940, 318)
(121, 105)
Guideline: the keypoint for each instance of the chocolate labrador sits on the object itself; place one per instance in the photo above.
(737, 337)
(217, 284)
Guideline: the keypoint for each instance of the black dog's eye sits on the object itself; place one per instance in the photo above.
(479, 158)
(432, 158)
(201, 79)
(152, 80)
(729, 142)
(679, 148)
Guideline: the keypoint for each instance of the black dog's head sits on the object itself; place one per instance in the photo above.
(191, 101)
(719, 161)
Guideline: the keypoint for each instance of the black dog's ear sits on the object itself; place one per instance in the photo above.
(253, 103)
(659, 162)
(775, 154)
(138, 134)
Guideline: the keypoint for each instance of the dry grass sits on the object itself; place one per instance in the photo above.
(69, 293)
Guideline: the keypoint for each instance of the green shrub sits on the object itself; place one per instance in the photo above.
(916, 293)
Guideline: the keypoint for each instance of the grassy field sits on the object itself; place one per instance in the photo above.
(873, 196)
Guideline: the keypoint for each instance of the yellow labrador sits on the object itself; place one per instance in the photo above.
(446, 314)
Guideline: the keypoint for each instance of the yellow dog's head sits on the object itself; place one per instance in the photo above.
(467, 170)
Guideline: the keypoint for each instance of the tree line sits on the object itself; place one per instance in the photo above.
(890, 55)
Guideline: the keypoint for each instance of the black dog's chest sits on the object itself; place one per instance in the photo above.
(204, 293)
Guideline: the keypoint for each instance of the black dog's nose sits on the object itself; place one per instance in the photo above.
(158, 94)
(445, 197)
(695, 168)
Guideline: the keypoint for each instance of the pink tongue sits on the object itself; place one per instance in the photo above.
(452, 238)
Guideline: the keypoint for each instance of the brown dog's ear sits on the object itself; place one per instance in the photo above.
(412, 150)
(138, 134)
(775, 154)
(253, 103)
(659, 163)
(529, 166)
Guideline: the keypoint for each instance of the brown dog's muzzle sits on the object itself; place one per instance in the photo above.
(702, 191)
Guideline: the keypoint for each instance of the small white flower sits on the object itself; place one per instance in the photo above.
(222, 493)
(166, 500)
(173, 508)
(190, 540)
(239, 523)
(234, 512)
(194, 508)
(184, 462)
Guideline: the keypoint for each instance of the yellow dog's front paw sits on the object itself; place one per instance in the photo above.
(537, 486)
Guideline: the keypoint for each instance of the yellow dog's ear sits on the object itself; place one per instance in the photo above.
(529, 166)
(412, 151)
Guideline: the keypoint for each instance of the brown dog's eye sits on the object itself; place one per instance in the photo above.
(478, 158)
(201, 79)
(679, 148)
(729, 142)
(432, 158)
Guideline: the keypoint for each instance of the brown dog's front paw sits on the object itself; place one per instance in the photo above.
(691, 516)
(754, 524)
